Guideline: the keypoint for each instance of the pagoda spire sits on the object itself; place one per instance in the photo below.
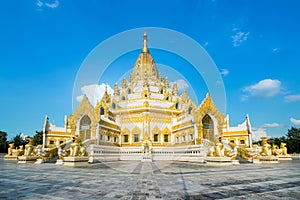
(145, 47)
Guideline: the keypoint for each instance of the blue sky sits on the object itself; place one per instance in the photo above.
(255, 45)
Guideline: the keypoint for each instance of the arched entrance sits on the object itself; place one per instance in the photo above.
(85, 128)
(208, 128)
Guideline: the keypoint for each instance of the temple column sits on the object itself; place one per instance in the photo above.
(200, 132)
(250, 139)
(195, 133)
(98, 134)
(93, 130)
(120, 139)
(236, 140)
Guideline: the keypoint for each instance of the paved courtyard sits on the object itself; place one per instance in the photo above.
(156, 180)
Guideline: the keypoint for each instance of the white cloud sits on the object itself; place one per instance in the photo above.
(23, 136)
(53, 5)
(224, 72)
(264, 89)
(257, 133)
(239, 37)
(295, 121)
(273, 125)
(39, 3)
(49, 4)
(79, 98)
(219, 82)
(275, 49)
(244, 98)
(94, 92)
(292, 98)
(181, 84)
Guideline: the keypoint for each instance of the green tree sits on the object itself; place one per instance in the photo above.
(38, 138)
(293, 140)
(277, 141)
(3, 142)
(18, 140)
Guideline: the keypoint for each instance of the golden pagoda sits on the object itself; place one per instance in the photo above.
(146, 114)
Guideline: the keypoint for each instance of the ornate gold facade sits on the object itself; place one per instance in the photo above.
(144, 110)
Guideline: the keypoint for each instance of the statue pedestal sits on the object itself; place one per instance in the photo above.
(26, 159)
(268, 159)
(212, 160)
(39, 161)
(7, 157)
(285, 157)
(235, 162)
(256, 161)
(76, 161)
(59, 162)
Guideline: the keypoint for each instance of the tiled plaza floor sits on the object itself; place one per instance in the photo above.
(156, 180)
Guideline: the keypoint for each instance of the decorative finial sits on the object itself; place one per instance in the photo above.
(145, 47)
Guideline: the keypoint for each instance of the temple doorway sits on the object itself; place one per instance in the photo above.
(85, 128)
(208, 128)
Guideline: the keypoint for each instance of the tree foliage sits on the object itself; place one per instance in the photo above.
(277, 141)
(18, 140)
(38, 138)
(292, 140)
(3, 142)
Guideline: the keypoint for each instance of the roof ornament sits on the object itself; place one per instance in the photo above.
(145, 47)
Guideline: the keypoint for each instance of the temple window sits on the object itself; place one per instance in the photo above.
(51, 142)
(162, 91)
(168, 98)
(177, 139)
(129, 91)
(177, 105)
(166, 138)
(115, 139)
(101, 110)
(192, 137)
(108, 138)
(155, 139)
(232, 141)
(190, 110)
(242, 141)
(125, 138)
(60, 142)
(113, 105)
(136, 137)
(123, 97)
